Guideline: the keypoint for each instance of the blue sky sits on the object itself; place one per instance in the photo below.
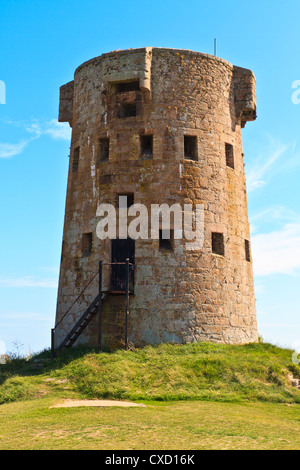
(41, 44)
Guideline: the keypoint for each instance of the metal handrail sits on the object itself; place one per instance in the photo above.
(127, 263)
(81, 293)
(77, 298)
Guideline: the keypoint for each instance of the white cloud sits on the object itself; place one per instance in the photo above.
(272, 159)
(260, 289)
(277, 252)
(29, 281)
(253, 184)
(261, 171)
(54, 129)
(276, 213)
(10, 150)
(58, 130)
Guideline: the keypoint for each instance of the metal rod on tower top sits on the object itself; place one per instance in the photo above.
(215, 47)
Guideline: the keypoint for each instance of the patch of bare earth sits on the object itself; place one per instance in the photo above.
(98, 403)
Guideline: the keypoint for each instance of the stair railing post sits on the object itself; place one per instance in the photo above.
(127, 303)
(99, 306)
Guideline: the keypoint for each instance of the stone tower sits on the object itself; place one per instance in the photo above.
(159, 126)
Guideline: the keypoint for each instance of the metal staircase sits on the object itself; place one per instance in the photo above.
(80, 326)
(92, 311)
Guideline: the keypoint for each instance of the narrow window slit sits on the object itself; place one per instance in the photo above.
(247, 250)
(87, 242)
(229, 155)
(166, 240)
(190, 147)
(146, 142)
(62, 251)
(125, 203)
(218, 247)
(75, 163)
(103, 150)
(127, 110)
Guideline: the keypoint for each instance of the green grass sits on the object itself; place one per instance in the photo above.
(165, 425)
(202, 371)
(197, 396)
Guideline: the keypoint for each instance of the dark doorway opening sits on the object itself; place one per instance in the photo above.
(120, 251)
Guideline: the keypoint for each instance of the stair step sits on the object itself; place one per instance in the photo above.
(82, 323)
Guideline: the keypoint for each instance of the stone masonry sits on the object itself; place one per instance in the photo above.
(163, 126)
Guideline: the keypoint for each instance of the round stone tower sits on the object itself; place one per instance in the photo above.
(160, 126)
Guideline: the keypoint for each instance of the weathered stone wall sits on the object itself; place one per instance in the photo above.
(180, 295)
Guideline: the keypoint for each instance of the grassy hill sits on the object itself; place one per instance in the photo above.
(203, 371)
